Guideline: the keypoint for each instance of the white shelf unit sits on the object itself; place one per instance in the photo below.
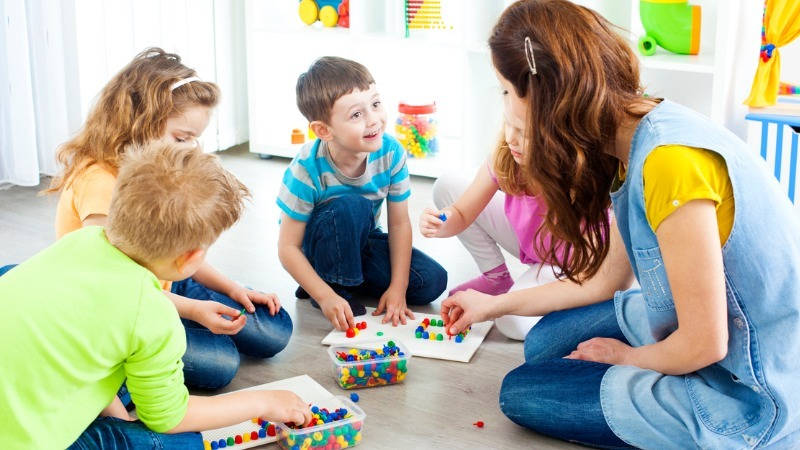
(451, 67)
(701, 81)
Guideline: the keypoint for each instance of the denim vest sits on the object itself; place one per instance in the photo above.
(752, 397)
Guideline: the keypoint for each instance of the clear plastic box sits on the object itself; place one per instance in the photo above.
(343, 433)
(372, 372)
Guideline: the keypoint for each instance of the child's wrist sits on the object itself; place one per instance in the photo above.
(398, 286)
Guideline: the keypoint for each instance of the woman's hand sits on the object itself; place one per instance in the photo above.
(465, 308)
(603, 350)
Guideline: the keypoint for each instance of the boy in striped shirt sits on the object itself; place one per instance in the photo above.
(331, 197)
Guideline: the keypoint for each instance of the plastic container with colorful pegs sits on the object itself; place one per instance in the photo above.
(339, 424)
(369, 364)
(416, 129)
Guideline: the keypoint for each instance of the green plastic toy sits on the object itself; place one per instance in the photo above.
(671, 24)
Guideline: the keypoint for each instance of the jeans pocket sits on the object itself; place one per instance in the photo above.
(653, 279)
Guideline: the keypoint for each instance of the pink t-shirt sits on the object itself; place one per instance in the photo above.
(526, 214)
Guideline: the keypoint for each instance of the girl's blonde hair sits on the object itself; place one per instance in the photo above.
(132, 109)
(510, 176)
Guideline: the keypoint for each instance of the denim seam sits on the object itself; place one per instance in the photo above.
(610, 421)
(755, 366)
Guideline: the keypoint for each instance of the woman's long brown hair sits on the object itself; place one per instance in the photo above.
(132, 108)
(586, 84)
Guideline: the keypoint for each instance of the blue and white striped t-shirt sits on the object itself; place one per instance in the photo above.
(312, 179)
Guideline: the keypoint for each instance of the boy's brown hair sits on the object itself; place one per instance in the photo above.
(170, 199)
(329, 78)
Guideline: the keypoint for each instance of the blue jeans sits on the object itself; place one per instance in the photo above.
(561, 397)
(212, 360)
(346, 249)
(110, 433)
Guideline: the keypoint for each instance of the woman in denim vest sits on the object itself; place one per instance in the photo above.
(707, 352)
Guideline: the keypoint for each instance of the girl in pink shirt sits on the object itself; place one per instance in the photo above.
(498, 209)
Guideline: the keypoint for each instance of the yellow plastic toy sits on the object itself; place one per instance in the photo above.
(330, 12)
(308, 11)
(328, 16)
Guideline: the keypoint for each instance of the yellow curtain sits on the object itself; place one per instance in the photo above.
(781, 26)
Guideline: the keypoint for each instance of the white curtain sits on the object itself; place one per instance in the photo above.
(56, 56)
(38, 101)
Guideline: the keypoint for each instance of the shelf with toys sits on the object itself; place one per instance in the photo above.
(695, 70)
(429, 59)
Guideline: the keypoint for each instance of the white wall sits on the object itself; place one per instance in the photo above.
(207, 34)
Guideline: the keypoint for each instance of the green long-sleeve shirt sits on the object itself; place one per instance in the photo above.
(78, 319)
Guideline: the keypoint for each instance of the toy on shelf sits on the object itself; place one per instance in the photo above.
(416, 129)
(330, 12)
(424, 15)
(788, 89)
(297, 136)
(671, 24)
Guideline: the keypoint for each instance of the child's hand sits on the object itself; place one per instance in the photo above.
(465, 308)
(338, 312)
(394, 302)
(246, 297)
(209, 314)
(284, 406)
(430, 222)
(602, 350)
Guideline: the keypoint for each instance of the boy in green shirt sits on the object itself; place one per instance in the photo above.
(101, 318)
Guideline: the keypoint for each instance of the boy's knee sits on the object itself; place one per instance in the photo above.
(352, 203)
(224, 371)
(272, 335)
(433, 283)
(348, 212)
(213, 365)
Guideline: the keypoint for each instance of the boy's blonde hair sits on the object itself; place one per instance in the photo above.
(170, 199)
(132, 109)
(328, 79)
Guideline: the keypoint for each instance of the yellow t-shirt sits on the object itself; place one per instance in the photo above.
(675, 174)
(88, 192)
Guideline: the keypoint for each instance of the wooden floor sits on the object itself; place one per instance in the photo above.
(439, 401)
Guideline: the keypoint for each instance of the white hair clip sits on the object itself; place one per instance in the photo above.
(529, 55)
(180, 83)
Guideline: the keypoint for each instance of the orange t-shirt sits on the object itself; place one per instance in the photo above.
(88, 192)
